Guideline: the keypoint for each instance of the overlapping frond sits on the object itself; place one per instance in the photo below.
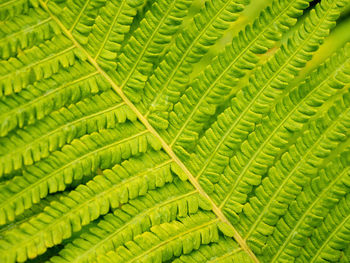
(99, 26)
(38, 140)
(224, 250)
(26, 31)
(257, 152)
(328, 188)
(331, 228)
(147, 43)
(37, 63)
(171, 76)
(156, 207)
(86, 203)
(268, 81)
(13, 8)
(121, 140)
(44, 96)
(163, 242)
(31, 212)
(208, 91)
(233, 125)
(81, 158)
(124, 188)
(287, 178)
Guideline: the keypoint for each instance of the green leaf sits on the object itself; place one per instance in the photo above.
(174, 131)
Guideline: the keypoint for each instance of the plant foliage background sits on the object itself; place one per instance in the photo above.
(174, 131)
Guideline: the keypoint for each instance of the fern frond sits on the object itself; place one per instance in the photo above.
(35, 142)
(149, 41)
(265, 84)
(225, 250)
(321, 195)
(99, 26)
(122, 140)
(26, 31)
(296, 167)
(177, 199)
(87, 203)
(331, 237)
(48, 95)
(31, 213)
(234, 124)
(35, 64)
(12, 8)
(74, 12)
(172, 74)
(168, 240)
(80, 159)
(345, 255)
(209, 89)
(252, 159)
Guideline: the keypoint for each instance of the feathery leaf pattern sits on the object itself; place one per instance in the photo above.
(127, 134)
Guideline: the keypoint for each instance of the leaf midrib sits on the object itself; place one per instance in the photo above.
(165, 146)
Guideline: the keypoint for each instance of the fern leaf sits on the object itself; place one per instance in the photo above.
(266, 84)
(99, 26)
(246, 107)
(31, 213)
(134, 218)
(87, 203)
(287, 117)
(225, 251)
(26, 31)
(325, 191)
(35, 64)
(190, 46)
(123, 138)
(217, 81)
(82, 158)
(148, 42)
(13, 8)
(37, 141)
(296, 167)
(331, 236)
(166, 240)
(45, 96)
